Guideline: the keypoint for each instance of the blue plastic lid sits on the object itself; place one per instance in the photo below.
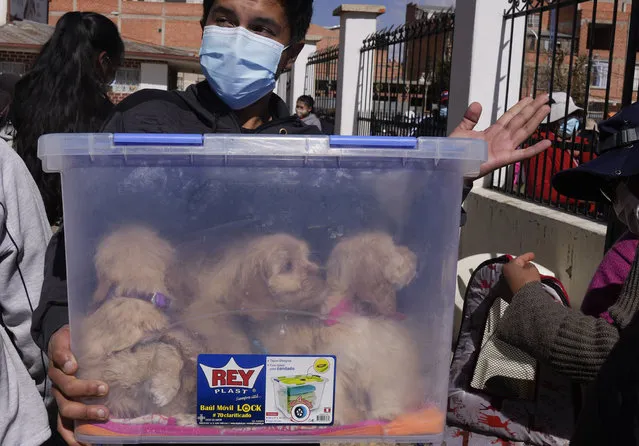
(131, 139)
(378, 142)
(53, 149)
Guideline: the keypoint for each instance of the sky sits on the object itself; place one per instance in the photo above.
(395, 10)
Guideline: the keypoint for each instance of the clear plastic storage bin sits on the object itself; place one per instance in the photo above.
(235, 288)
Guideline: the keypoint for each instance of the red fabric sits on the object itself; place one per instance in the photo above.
(540, 169)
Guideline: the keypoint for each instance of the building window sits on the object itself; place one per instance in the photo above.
(533, 22)
(599, 74)
(601, 36)
(184, 80)
(18, 68)
(127, 80)
(635, 81)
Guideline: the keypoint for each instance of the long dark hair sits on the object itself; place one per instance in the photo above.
(65, 91)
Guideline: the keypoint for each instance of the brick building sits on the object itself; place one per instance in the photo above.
(325, 37)
(423, 56)
(146, 65)
(604, 36)
(169, 23)
(173, 24)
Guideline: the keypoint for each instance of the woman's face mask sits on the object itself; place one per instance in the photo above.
(569, 128)
(626, 206)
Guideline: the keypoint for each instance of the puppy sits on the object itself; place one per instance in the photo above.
(257, 279)
(364, 273)
(378, 367)
(129, 341)
(370, 354)
(365, 270)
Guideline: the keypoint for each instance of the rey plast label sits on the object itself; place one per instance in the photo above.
(265, 390)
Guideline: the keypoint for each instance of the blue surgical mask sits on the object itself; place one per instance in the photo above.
(569, 127)
(239, 65)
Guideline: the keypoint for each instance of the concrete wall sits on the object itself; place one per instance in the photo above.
(282, 87)
(356, 23)
(570, 246)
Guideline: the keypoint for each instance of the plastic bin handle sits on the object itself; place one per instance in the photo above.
(136, 139)
(375, 142)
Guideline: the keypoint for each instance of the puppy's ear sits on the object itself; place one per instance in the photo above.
(379, 296)
(252, 292)
(401, 267)
(182, 280)
(102, 290)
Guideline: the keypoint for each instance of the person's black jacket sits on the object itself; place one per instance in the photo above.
(197, 110)
(610, 414)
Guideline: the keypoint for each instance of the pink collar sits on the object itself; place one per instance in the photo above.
(346, 307)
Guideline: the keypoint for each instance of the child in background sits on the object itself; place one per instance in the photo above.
(304, 109)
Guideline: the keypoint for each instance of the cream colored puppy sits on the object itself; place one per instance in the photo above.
(130, 341)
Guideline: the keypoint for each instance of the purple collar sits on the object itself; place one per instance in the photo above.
(159, 300)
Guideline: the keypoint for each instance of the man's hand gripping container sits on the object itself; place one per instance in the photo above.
(202, 270)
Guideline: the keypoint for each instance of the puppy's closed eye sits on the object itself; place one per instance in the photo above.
(288, 266)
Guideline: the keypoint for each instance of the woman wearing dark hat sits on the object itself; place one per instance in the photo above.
(573, 343)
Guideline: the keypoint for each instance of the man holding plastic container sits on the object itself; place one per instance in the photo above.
(245, 45)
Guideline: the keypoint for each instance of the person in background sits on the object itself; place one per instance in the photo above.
(443, 105)
(24, 234)
(304, 110)
(66, 91)
(575, 344)
(560, 127)
(245, 46)
(7, 85)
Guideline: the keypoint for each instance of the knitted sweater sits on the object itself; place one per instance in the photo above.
(572, 343)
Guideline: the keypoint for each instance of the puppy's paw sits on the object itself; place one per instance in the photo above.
(165, 374)
(388, 413)
(186, 420)
(163, 389)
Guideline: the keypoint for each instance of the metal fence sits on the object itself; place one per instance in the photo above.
(321, 81)
(404, 78)
(572, 49)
